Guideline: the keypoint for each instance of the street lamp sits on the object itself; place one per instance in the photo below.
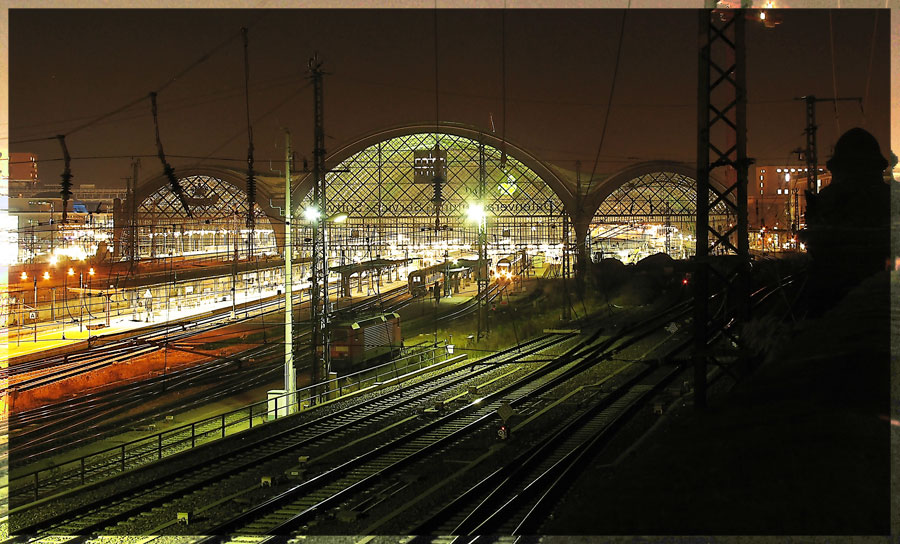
(71, 272)
(477, 214)
(90, 276)
(52, 303)
(35, 309)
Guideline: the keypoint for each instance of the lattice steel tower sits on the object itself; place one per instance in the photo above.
(721, 142)
(319, 301)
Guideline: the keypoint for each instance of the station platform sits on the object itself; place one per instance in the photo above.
(21, 341)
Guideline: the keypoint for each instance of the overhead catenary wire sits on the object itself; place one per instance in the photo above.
(256, 120)
(503, 84)
(206, 56)
(869, 71)
(837, 122)
(609, 100)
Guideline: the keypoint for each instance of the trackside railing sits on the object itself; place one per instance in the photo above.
(103, 464)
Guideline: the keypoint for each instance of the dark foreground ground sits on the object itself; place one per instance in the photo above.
(801, 447)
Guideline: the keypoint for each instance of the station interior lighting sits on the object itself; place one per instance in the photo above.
(311, 213)
(476, 212)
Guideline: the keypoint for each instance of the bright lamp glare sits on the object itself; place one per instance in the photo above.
(311, 213)
(339, 218)
(476, 212)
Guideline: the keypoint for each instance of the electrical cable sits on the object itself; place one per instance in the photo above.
(869, 72)
(609, 101)
(256, 120)
(503, 86)
(837, 122)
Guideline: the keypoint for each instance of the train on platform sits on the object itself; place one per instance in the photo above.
(424, 280)
(510, 266)
(356, 345)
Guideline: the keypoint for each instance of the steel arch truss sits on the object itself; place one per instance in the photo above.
(375, 188)
(218, 218)
(657, 198)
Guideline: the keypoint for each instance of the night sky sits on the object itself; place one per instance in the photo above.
(67, 67)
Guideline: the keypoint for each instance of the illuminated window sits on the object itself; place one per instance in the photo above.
(763, 170)
(793, 169)
(779, 191)
(760, 191)
(760, 185)
(778, 169)
(760, 178)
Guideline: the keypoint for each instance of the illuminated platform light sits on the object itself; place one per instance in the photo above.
(476, 212)
(311, 214)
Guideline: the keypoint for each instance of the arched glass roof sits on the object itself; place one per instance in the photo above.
(379, 182)
(654, 197)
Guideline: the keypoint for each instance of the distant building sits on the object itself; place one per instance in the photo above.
(23, 174)
(776, 192)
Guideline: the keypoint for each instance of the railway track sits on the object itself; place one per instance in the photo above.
(146, 342)
(49, 431)
(299, 505)
(123, 504)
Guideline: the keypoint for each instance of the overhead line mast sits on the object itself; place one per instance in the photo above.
(812, 152)
(722, 116)
(319, 303)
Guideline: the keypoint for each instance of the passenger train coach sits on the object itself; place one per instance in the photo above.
(423, 279)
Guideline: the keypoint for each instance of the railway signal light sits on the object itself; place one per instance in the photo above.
(503, 432)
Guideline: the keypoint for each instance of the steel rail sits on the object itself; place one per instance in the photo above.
(253, 457)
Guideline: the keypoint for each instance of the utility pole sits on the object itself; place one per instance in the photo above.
(812, 152)
(812, 157)
(481, 275)
(567, 309)
(132, 205)
(290, 376)
(581, 251)
(319, 266)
